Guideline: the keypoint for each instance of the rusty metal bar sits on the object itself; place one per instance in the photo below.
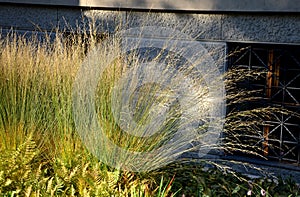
(268, 94)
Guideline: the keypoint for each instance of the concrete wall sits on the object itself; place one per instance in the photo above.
(273, 28)
(233, 27)
(195, 5)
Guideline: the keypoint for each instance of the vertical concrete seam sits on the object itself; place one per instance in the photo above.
(221, 28)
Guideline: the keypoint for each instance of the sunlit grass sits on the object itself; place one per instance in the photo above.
(36, 84)
(42, 153)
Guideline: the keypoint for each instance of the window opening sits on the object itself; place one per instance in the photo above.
(279, 135)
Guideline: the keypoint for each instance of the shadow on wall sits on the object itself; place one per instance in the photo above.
(221, 27)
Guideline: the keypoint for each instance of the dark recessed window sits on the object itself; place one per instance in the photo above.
(278, 135)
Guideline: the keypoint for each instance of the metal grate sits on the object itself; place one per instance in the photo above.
(279, 137)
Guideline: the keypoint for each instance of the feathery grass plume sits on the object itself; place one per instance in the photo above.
(154, 99)
(35, 89)
(36, 83)
(247, 113)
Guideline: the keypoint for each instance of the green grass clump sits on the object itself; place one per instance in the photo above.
(35, 88)
(41, 152)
